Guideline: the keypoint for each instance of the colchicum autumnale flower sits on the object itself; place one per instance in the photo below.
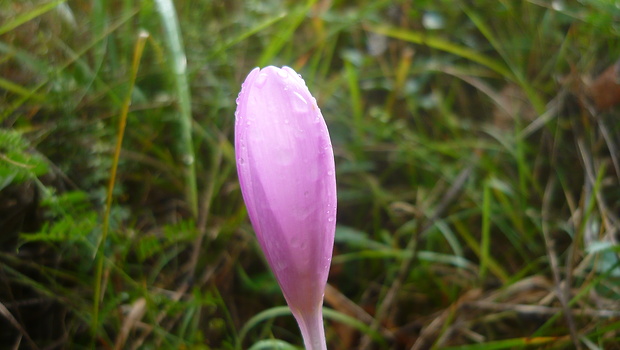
(285, 164)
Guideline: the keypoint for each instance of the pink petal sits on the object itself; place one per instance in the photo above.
(286, 170)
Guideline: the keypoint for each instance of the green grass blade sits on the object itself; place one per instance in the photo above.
(25, 17)
(248, 33)
(17, 89)
(356, 97)
(285, 311)
(537, 103)
(353, 323)
(272, 344)
(285, 34)
(485, 242)
(473, 244)
(32, 61)
(178, 65)
(444, 45)
(260, 317)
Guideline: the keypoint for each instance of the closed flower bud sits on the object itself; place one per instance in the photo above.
(285, 164)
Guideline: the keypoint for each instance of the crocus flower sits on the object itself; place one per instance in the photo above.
(285, 164)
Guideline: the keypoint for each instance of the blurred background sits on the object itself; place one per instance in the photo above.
(477, 159)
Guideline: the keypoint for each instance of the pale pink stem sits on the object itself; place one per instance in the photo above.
(311, 326)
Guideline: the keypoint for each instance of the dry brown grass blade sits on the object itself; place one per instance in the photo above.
(138, 309)
(341, 303)
(431, 331)
(562, 293)
(540, 310)
(4, 311)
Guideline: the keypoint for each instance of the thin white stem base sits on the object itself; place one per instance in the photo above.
(312, 330)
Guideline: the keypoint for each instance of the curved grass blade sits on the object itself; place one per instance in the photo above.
(272, 344)
(285, 311)
(443, 45)
(260, 317)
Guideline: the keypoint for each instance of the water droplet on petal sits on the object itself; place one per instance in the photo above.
(283, 74)
(299, 103)
(241, 161)
(260, 80)
(330, 173)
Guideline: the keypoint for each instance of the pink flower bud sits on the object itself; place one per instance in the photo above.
(286, 170)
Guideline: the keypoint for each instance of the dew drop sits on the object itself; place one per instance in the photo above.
(330, 173)
(432, 20)
(281, 265)
(188, 159)
(241, 161)
(260, 81)
(180, 65)
(300, 105)
(330, 219)
(283, 74)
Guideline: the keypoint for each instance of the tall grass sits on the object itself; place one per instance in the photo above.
(477, 176)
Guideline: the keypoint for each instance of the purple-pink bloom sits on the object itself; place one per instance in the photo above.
(285, 164)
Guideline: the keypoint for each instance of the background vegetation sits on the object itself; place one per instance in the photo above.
(476, 144)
